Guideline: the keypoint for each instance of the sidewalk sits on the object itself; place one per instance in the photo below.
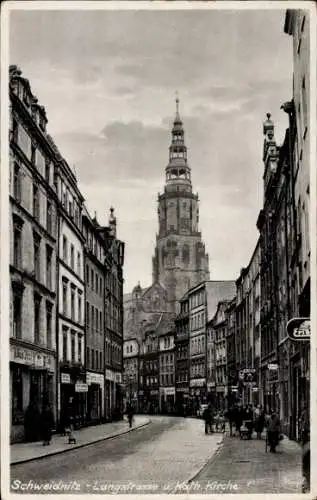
(246, 464)
(25, 452)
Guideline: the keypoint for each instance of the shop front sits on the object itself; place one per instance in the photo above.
(95, 398)
(73, 396)
(167, 400)
(198, 394)
(32, 384)
(181, 400)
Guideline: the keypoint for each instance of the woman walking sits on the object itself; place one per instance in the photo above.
(47, 424)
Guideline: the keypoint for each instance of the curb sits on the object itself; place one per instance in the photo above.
(209, 461)
(77, 446)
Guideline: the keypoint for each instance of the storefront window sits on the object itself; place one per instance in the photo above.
(17, 395)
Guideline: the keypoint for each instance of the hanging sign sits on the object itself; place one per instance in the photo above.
(299, 329)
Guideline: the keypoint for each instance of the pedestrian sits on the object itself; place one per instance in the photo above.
(273, 431)
(32, 419)
(259, 421)
(47, 424)
(130, 413)
(208, 418)
(69, 422)
(231, 418)
(238, 419)
(248, 417)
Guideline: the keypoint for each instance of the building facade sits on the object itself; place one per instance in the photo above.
(150, 401)
(94, 256)
(180, 260)
(167, 371)
(33, 254)
(114, 261)
(182, 356)
(232, 374)
(72, 387)
(220, 328)
(131, 358)
(297, 25)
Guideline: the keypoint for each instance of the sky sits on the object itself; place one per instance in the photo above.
(107, 80)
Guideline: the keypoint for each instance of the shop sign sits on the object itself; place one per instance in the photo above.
(94, 378)
(255, 389)
(141, 393)
(25, 356)
(65, 378)
(109, 375)
(211, 384)
(169, 391)
(299, 329)
(220, 388)
(118, 378)
(81, 387)
(154, 392)
(197, 382)
(182, 389)
(272, 366)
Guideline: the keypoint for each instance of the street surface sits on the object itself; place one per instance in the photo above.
(170, 455)
(167, 451)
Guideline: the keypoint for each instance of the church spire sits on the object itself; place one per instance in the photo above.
(177, 170)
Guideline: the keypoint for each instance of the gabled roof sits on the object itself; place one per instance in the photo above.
(218, 291)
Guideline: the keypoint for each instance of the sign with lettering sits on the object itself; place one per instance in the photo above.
(25, 356)
(80, 387)
(197, 382)
(272, 366)
(94, 378)
(109, 375)
(299, 329)
(65, 378)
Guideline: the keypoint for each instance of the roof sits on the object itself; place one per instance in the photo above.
(218, 291)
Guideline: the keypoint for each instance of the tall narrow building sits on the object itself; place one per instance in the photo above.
(180, 260)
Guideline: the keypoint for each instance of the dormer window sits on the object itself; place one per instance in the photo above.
(42, 123)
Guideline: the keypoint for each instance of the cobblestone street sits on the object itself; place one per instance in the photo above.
(169, 455)
(245, 463)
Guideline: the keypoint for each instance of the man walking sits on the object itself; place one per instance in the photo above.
(208, 418)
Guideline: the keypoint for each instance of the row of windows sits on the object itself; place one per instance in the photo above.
(40, 325)
(168, 342)
(94, 319)
(69, 307)
(94, 359)
(221, 376)
(167, 379)
(94, 281)
(166, 359)
(37, 255)
(38, 209)
(182, 376)
(128, 349)
(94, 245)
(69, 258)
(70, 205)
(197, 345)
(74, 351)
(197, 299)
(197, 321)
(182, 352)
(152, 366)
(151, 381)
(197, 370)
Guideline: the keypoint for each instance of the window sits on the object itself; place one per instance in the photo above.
(17, 182)
(17, 246)
(37, 317)
(17, 316)
(33, 154)
(79, 350)
(49, 217)
(65, 357)
(101, 323)
(65, 256)
(64, 298)
(92, 317)
(97, 320)
(36, 202)
(87, 275)
(70, 208)
(47, 171)
(49, 308)
(36, 256)
(49, 252)
(96, 362)
(15, 130)
(72, 303)
(72, 263)
(88, 357)
(72, 346)
(87, 314)
(78, 264)
(92, 279)
(79, 309)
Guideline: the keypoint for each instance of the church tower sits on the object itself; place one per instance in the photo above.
(180, 260)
